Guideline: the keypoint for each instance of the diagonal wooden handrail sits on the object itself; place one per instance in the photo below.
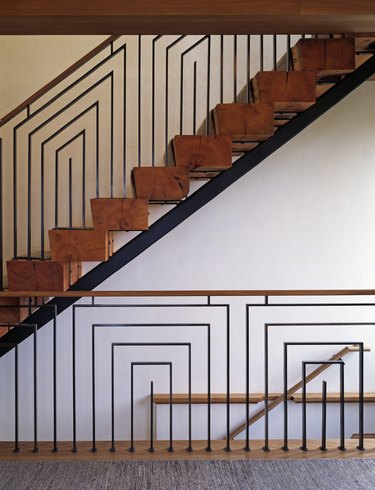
(75, 66)
(274, 403)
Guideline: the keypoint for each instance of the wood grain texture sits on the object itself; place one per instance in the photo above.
(327, 57)
(80, 245)
(199, 452)
(334, 397)
(37, 275)
(161, 183)
(289, 91)
(203, 153)
(16, 309)
(244, 122)
(119, 214)
(216, 398)
(336, 7)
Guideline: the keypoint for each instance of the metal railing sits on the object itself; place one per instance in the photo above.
(80, 136)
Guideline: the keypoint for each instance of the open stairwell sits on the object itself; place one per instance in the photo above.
(318, 74)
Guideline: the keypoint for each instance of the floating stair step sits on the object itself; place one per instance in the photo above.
(322, 88)
(327, 57)
(245, 123)
(15, 310)
(80, 245)
(334, 397)
(289, 91)
(161, 183)
(203, 153)
(217, 398)
(119, 214)
(42, 275)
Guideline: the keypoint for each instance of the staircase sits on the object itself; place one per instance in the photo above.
(318, 73)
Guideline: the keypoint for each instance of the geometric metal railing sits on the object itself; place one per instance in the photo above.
(228, 348)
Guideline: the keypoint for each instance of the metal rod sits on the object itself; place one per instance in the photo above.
(304, 446)
(153, 86)
(42, 206)
(74, 420)
(194, 98)
(208, 448)
(35, 386)
(1, 219)
(261, 52)
(247, 445)
(342, 409)
(97, 176)
(15, 208)
(323, 445)
(170, 448)
(221, 69)
(248, 98)
(70, 194)
(93, 449)
(285, 446)
(361, 398)
(29, 192)
(151, 448)
(274, 52)
(84, 179)
(131, 449)
(56, 191)
(124, 129)
(235, 68)
(266, 428)
(288, 53)
(16, 408)
(228, 448)
(139, 98)
(54, 376)
(112, 139)
(113, 448)
(208, 85)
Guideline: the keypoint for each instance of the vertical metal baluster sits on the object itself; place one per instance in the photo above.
(56, 189)
(16, 442)
(15, 209)
(93, 449)
(208, 84)
(74, 448)
(261, 51)
(153, 103)
(112, 139)
(323, 446)
(228, 448)
(248, 98)
(166, 106)
(342, 408)
(70, 193)
(170, 448)
(361, 398)
(208, 448)
(54, 376)
(221, 69)
(247, 446)
(84, 179)
(35, 383)
(113, 449)
(151, 448)
(195, 98)
(288, 54)
(139, 99)
(124, 130)
(285, 446)
(181, 94)
(190, 448)
(97, 184)
(304, 447)
(42, 204)
(29, 204)
(235, 69)
(132, 449)
(266, 442)
(1, 218)
(275, 52)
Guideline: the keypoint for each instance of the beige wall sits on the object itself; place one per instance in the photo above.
(29, 62)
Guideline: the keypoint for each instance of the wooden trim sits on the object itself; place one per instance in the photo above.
(199, 451)
(333, 397)
(192, 293)
(75, 66)
(216, 398)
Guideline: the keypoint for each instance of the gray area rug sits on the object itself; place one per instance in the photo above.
(194, 475)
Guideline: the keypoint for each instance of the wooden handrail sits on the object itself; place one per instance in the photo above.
(75, 66)
(192, 293)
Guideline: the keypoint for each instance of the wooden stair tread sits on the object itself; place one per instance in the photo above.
(333, 397)
(216, 398)
(292, 91)
(116, 214)
(161, 183)
(80, 245)
(203, 153)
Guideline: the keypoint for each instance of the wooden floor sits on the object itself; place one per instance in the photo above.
(180, 453)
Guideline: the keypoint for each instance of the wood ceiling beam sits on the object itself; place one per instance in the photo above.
(180, 17)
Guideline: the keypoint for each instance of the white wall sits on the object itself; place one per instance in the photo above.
(302, 219)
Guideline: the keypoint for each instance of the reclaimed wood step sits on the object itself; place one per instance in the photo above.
(216, 398)
(203, 153)
(80, 245)
(245, 123)
(16, 309)
(42, 275)
(292, 91)
(161, 183)
(116, 214)
(327, 57)
(334, 397)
